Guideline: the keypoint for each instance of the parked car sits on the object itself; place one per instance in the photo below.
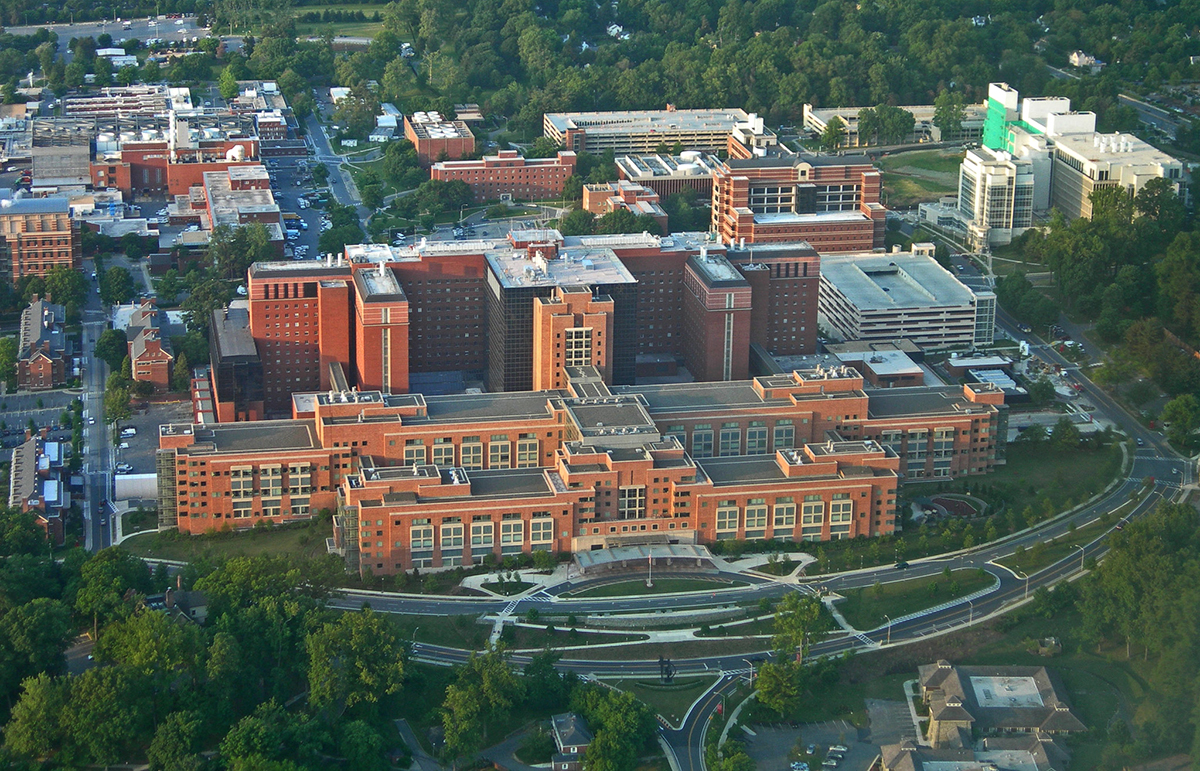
(124, 468)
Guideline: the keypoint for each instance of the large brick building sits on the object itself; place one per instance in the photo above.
(832, 202)
(436, 138)
(439, 481)
(36, 235)
(509, 173)
(392, 314)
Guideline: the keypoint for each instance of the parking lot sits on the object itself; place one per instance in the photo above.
(771, 746)
(140, 453)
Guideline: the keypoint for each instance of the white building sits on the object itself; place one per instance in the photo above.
(1038, 153)
(882, 297)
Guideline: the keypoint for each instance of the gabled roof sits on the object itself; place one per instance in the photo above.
(570, 731)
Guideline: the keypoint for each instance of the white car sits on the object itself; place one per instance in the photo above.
(179, 22)
(162, 212)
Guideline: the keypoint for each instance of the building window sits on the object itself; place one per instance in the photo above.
(578, 347)
(482, 534)
(785, 435)
(631, 502)
(756, 517)
(727, 520)
(731, 439)
(785, 514)
(241, 482)
(841, 512)
(541, 530)
(472, 454)
(414, 452)
(421, 537)
(812, 517)
(452, 535)
(527, 451)
(499, 452)
(443, 452)
(702, 441)
(756, 438)
(512, 532)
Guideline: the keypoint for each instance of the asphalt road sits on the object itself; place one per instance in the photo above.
(165, 29)
(98, 462)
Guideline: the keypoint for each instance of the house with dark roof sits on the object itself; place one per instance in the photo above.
(43, 349)
(571, 739)
(38, 484)
(150, 346)
(971, 701)
(1009, 753)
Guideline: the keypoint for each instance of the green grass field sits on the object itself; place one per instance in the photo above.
(910, 178)
(1049, 552)
(305, 539)
(669, 700)
(1034, 473)
(342, 29)
(923, 160)
(868, 608)
(661, 586)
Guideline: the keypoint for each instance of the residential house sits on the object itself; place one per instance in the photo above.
(43, 349)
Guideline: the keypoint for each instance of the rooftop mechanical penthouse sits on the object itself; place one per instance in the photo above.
(437, 481)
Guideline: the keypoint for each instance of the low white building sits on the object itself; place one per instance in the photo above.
(882, 297)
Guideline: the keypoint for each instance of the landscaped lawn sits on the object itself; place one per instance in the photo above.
(523, 637)
(1049, 552)
(661, 586)
(1035, 472)
(301, 540)
(671, 700)
(868, 608)
(909, 178)
(453, 631)
(926, 160)
(507, 588)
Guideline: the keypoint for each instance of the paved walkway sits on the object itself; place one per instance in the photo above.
(502, 754)
(421, 759)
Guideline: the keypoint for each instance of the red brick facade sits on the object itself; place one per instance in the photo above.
(508, 173)
(829, 201)
(436, 481)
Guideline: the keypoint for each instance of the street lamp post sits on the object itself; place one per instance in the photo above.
(889, 629)
(751, 663)
(971, 616)
(1026, 577)
(460, 213)
(1081, 556)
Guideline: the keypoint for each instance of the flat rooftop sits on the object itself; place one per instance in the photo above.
(640, 168)
(717, 270)
(791, 218)
(884, 362)
(259, 436)
(379, 285)
(645, 121)
(512, 405)
(921, 400)
(1117, 149)
(55, 205)
(575, 266)
(231, 331)
(991, 692)
(742, 469)
(878, 282)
